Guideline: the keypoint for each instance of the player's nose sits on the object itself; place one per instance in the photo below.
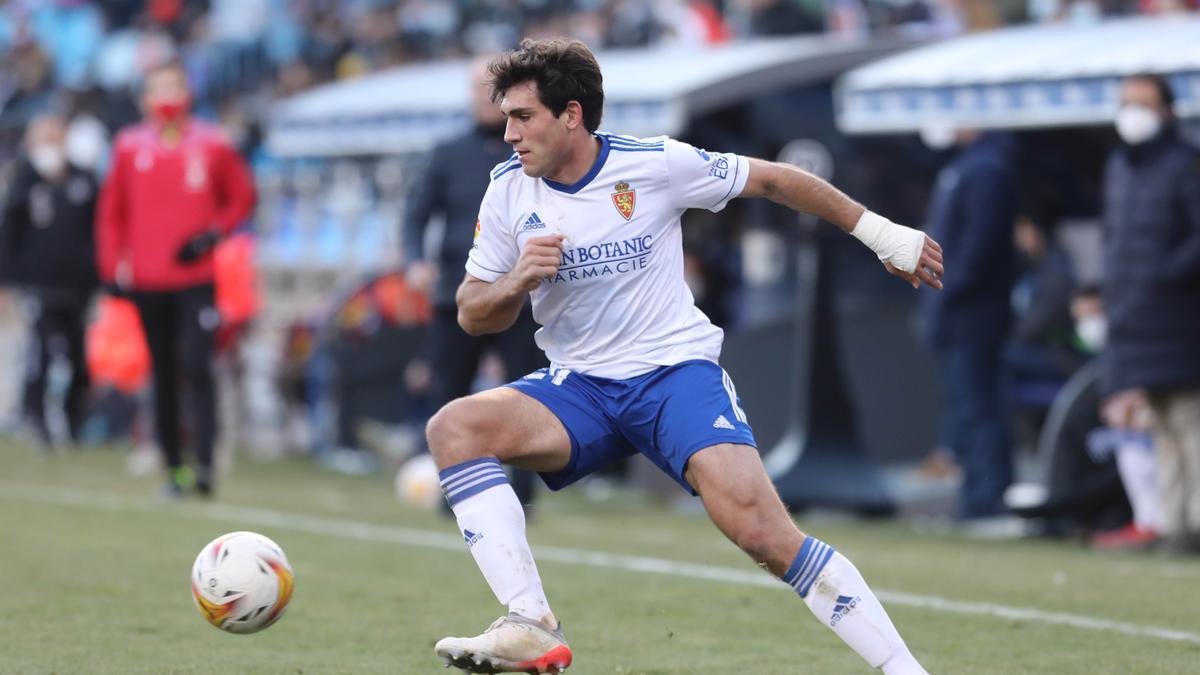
(510, 133)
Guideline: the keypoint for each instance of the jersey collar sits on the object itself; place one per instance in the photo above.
(583, 182)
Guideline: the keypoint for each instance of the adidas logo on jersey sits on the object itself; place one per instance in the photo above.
(533, 222)
(722, 423)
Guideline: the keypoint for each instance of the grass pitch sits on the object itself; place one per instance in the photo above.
(93, 579)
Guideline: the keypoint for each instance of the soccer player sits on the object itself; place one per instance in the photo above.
(588, 224)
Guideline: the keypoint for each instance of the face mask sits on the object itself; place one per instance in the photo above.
(1092, 332)
(170, 110)
(1137, 124)
(48, 160)
(86, 142)
(938, 137)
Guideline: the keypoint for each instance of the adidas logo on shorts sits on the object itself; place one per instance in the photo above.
(722, 423)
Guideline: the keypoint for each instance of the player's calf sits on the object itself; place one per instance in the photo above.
(743, 503)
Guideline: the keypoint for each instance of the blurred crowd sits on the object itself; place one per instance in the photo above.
(240, 55)
(1021, 325)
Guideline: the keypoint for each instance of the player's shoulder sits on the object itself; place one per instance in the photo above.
(624, 143)
(133, 136)
(506, 167)
(209, 134)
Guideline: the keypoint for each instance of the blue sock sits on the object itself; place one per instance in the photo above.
(470, 478)
(809, 562)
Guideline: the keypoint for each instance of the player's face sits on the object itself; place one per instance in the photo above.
(537, 135)
(166, 96)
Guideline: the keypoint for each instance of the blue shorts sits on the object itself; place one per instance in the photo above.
(667, 414)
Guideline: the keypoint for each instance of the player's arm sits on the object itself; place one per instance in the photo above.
(14, 218)
(111, 215)
(424, 200)
(491, 307)
(905, 252)
(235, 184)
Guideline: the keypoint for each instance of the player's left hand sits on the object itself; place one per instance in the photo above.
(198, 246)
(929, 267)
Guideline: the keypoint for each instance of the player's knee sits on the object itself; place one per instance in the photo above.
(755, 521)
(455, 433)
(756, 540)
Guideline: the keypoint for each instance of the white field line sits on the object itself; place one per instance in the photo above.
(351, 529)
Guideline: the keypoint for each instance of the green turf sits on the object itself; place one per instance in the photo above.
(102, 588)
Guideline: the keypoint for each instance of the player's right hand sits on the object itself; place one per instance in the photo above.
(539, 261)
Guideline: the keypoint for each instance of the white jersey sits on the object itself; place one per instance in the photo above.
(619, 306)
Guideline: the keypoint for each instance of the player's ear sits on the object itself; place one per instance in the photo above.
(574, 114)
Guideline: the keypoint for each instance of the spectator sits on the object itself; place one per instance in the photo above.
(453, 186)
(1152, 292)
(26, 87)
(47, 247)
(971, 213)
(176, 187)
(1041, 353)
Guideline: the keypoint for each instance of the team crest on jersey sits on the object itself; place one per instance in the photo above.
(478, 227)
(624, 198)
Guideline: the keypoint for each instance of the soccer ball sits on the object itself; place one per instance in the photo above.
(242, 582)
(417, 483)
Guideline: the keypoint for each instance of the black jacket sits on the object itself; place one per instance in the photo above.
(1152, 265)
(971, 214)
(46, 231)
(452, 185)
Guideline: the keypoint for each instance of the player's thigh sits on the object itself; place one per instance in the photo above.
(197, 322)
(731, 480)
(682, 409)
(742, 502)
(502, 423)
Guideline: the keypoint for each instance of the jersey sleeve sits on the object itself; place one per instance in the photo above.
(494, 252)
(705, 180)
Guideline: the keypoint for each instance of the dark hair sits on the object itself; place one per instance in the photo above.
(1165, 93)
(564, 71)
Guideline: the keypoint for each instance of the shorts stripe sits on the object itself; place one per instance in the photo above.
(737, 410)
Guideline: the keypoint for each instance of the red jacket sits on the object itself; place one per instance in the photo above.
(157, 197)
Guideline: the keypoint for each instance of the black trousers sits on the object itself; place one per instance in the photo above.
(180, 327)
(455, 358)
(58, 331)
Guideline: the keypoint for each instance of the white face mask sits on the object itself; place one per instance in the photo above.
(86, 142)
(938, 137)
(1137, 124)
(48, 160)
(1093, 332)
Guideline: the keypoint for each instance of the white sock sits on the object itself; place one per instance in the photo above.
(839, 597)
(493, 524)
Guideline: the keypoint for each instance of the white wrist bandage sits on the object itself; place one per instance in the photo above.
(896, 244)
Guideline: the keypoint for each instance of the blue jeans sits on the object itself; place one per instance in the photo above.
(972, 383)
